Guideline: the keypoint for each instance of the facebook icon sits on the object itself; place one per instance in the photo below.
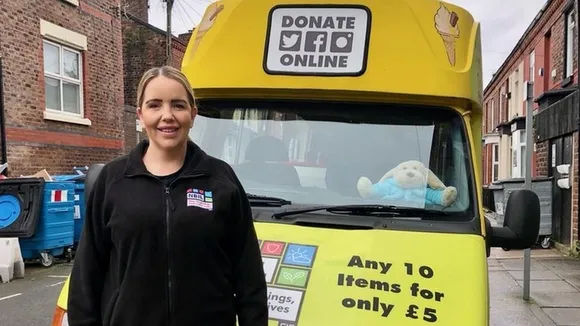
(315, 42)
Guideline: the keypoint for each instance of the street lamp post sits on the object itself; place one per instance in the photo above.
(528, 181)
(168, 36)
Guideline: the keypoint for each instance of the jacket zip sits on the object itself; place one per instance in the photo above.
(169, 207)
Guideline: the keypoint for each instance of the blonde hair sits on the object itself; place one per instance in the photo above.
(169, 72)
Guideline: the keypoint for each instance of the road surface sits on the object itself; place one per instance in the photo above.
(31, 301)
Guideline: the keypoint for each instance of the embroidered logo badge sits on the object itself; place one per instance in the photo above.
(200, 198)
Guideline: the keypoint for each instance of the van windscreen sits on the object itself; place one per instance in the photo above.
(324, 153)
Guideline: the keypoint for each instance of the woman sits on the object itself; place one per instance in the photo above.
(168, 237)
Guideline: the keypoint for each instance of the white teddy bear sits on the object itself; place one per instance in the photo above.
(410, 181)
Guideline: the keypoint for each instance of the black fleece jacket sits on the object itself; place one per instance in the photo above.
(182, 255)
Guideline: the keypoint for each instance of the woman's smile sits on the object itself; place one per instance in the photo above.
(168, 131)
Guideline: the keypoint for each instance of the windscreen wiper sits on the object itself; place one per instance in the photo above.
(257, 200)
(366, 210)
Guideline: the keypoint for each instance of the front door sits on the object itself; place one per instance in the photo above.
(561, 153)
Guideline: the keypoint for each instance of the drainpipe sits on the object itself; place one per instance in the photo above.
(2, 119)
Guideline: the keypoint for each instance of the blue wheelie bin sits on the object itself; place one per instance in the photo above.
(79, 205)
(20, 204)
(54, 234)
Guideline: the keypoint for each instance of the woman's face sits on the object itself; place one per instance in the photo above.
(166, 113)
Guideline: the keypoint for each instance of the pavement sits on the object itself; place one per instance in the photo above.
(554, 289)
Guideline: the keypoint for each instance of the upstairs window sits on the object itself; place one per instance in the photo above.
(62, 79)
(569, 37)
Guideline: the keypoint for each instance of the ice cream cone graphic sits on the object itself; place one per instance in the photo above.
(206, 23)
(448, 29)
(449, 41)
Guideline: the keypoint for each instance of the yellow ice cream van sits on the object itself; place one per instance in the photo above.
(355, 129)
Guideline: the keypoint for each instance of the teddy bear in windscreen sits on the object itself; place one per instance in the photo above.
(409, 181)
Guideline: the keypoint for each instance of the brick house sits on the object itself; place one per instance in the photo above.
(70, 72)
(144, 47)
(63, 83)
(546, 55)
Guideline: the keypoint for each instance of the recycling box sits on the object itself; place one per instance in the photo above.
(55, 228)
(79, 201)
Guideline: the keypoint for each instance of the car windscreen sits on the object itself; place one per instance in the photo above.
(325, 153)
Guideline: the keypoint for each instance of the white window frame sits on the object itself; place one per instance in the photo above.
(510, 159)
(532, 65)
(514, 158)
(518, 154)
(494, 161)
(62, 78)
(569, 64)
(74, 42)
(522, 153)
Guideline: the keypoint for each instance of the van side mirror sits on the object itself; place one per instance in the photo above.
(521, 222)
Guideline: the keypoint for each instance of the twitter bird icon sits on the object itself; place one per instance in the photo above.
(290, 41)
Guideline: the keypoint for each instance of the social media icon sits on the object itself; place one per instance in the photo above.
(341, 42)
(315, 42)
(290, 41)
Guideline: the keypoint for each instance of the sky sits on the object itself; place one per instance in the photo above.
(503, 22)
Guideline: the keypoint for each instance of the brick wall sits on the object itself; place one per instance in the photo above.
(58, 159)
(556, 58)
(551, 23)
(129, 118)
(144, 47)
(546, 38)
(136, 8)
(487, 157)
(557, 50)
(554, 33)
(542, 159)
(185, 36)
(540, 82)
(34, 142)
(484, 163)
